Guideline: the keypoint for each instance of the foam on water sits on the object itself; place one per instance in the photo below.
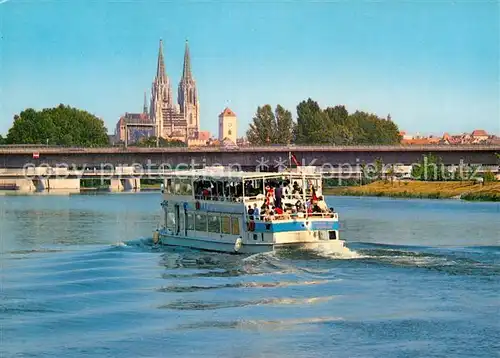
(344, 254)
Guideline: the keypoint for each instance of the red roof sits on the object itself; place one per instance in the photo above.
(228, 112)
(479, 133)
(204, 135)
(418, 141)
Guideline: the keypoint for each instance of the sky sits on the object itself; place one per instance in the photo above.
(433, 65)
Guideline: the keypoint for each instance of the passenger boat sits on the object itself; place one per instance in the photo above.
(214, 209)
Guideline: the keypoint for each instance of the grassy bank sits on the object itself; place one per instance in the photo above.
(151, 186)
(419, 189)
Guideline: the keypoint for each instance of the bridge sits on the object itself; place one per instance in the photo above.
(247, 158)
(32, 168)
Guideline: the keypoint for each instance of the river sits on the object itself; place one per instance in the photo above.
(80, 278)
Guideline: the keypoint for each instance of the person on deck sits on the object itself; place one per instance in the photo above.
(322, 205)
(278, 210)
(278, 194)
(256, 212)
(250, 212)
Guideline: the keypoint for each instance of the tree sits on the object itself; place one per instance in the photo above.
(430, 168)
(379, 168)
(306, 112)
(489, 176)
(263, 130)
(340, 131)
(336, 126)
(391, 173)
(284, 125)
(2, 140)
(363, 173)
(338, 114)
(62, 125)
(331, 126)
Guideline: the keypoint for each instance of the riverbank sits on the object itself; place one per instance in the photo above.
(419, 189)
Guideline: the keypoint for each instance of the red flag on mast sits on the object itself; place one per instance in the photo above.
(294, 159)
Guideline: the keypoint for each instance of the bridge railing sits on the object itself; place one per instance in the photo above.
(28, 149)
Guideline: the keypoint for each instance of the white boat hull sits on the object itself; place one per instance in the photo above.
(331, 246)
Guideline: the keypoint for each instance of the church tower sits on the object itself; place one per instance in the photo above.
(228, 125)
(161, 94)
(188, 98)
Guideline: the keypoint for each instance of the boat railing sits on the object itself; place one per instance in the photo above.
(288, 198)
(231, 199)
(291, 216)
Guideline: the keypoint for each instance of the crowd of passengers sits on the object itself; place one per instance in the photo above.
(218, 190)
(274, 211)
(274, 208)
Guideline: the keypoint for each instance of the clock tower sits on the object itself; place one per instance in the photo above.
(228, 125)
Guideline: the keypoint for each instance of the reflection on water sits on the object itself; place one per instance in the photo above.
(81, 277)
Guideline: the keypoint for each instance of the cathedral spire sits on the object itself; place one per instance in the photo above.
(160, 70)
(186, 72)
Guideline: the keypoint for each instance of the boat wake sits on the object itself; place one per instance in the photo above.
(481, 261)
(345, 254)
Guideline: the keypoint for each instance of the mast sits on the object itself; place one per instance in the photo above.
(304, 192)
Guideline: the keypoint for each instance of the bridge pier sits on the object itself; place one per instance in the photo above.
(115, 185)
(22, 185)
(133, 184)
(50, 184)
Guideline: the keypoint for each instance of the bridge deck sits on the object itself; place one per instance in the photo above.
(292, 148)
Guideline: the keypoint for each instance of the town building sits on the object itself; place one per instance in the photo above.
(477, 136)
(228, 126)
(203, 139)
(134, 126)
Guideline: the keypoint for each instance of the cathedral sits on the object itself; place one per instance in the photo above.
(165, 118)
(172, 120)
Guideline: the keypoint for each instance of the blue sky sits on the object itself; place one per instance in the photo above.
(433, 65)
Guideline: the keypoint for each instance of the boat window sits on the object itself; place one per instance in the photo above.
(182, 186)
(190, 221)
(201, 222)
(255, 236)
(333, 235)
(170, 218)
(176, 186)
(185, 187)
(226, 224)
(214, 223)
(235, 225)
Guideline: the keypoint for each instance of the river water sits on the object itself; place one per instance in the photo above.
(80, 278)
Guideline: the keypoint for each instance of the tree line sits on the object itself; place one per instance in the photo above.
(62, 125)
(314, 125)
